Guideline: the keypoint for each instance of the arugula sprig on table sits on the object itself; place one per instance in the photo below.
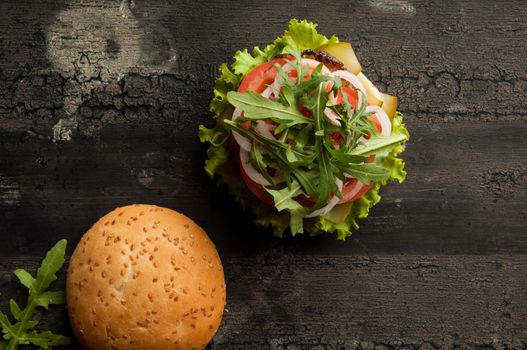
(21, 331)
(310, 152)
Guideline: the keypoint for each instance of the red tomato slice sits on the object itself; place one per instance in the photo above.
(304, 110)
(349, 186)
(351, 93)
(311, 66)
(305, 201)
(261, 76)
(375, 122)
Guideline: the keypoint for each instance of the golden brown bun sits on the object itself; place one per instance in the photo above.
(145, 277)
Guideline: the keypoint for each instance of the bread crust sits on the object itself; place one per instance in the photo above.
(145, 277)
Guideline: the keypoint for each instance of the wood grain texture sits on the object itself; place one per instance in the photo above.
(331, 301)
(99, 107)
(350, 302)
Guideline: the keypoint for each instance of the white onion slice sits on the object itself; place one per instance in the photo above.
(331, 203)
(244, 142)
(354, 190)
(332, 116)
(272, 91)
(254, 174)
(382, 117)
(267, 92)
(353, 80)
(288, 67)
(250, 170)
(314, 64)
(276, 86)
(265, 129)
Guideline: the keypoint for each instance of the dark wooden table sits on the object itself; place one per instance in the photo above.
(100, 102)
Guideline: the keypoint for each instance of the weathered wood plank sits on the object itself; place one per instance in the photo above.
(446, 300)
(99, 107)
(280, 300)
(459, 189)
(444, 61)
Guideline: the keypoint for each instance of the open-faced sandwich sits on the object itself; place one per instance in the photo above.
(302, 137)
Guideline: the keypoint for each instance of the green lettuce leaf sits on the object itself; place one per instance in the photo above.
(227, 81)
(359, 210)
(300, 35)
(305, 36)
(245, 62)
(396, 165)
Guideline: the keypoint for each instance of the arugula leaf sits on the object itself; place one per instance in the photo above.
(284, 197)
(20, 332)
(288, 96)
(257, 107)
(342, 156)
(7, 326)
(50, 266)
(304, 136)
(50, 298)
(379, 145)
(15, 310)
(284, 200)
(25, 278)
(314, 82)
(326, 183)
(367, 172)
(256, 159)
(46, 340)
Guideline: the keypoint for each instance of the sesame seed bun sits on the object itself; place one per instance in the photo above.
(145, 277)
